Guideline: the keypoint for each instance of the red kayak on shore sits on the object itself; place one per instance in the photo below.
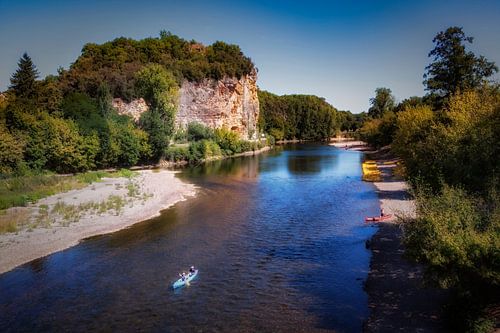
(378, 218)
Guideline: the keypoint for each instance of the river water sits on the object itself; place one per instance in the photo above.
(278, 238)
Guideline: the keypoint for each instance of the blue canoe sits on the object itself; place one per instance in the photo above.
(183, 281)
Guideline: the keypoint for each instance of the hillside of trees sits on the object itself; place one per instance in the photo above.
(302, 117)
(65, 123)
(448, 142)
(116, 63)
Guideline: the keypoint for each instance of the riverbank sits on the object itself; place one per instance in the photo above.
(349, 144)
(397, 297)
(170, 164)
(62, 220)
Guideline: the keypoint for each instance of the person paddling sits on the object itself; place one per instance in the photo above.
(382, 212)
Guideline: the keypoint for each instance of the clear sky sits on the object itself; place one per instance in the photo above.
(340, 50)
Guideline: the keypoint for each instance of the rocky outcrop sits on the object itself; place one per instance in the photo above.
(229, 103)
(134, 109)
(232, 103)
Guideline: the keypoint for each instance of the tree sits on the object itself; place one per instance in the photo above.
(453, 68)
(23, 81)
(381, 103)
(413, 101)
(104, 99)
(160, 91)
(11, 151)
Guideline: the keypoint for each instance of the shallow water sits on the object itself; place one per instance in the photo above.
(278, 239)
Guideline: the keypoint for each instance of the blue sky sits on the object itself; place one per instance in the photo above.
(340, 50)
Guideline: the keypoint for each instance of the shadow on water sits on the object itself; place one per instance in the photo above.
(278, 239)
(309, 159)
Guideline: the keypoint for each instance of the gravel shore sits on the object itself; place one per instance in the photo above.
(100, 208)
(397, 296)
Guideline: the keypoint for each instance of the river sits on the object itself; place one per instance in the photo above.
(278, 238)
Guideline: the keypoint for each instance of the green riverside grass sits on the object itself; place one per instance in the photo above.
(20, 191)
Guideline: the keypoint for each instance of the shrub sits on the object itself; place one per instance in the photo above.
(457, 235)
(177, 154)
(379, 132)
(197, 131)
(11, 151)
(228, 141)
(200, 150)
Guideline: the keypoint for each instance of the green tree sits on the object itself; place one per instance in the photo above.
(197, 131)
(11, 151)
(303, 117)
(50, 95)
(381, 103)
(23, 81)
(104, 99)
(453, 68)
(379, 132)
(160, 91)
(158, 139)
(413, 101)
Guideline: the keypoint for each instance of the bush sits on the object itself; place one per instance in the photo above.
(379, 132)
(458, 145)
(200, 150)
(177, 154)
(278, 134)
(228, 141)
(457, 236)
(197, 132)
(11, 151)
(180, 136)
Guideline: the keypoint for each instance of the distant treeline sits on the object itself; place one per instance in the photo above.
(303, 117)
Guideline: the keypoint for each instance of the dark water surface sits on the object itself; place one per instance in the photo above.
(278, 238)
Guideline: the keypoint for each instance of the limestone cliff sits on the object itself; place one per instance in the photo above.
(229, 103)
(232, 103)
(133, 109)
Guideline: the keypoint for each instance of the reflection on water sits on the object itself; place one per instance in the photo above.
(278, 239)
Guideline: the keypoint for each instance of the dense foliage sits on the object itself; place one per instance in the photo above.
(159, 89)
(382, 102)
(117, 62)
(449, 144)
(302, 117)
(42, 130)
(206, 143)
(66, 123)
(379, 126)
(350, 122)
(453, 68)
(458, 145)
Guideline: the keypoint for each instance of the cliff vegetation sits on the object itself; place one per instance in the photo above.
(116, 62)
(66, 123)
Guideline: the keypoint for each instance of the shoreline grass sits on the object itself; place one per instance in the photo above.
(20, 191)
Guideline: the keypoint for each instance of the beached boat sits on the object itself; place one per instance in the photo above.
(378, 218)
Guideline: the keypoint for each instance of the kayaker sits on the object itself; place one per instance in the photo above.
(381, 212)
(191, 270)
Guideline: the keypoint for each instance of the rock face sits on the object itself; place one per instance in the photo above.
(229, 103)
(133, 109)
